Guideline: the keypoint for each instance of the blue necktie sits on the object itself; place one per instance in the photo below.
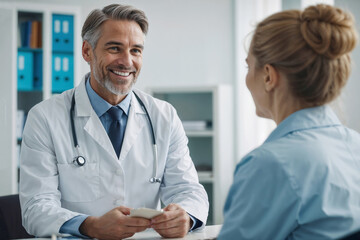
(115, 130)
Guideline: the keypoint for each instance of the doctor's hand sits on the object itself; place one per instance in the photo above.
(114, 224)
(175, 222)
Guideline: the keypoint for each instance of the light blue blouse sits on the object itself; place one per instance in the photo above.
(302, 183)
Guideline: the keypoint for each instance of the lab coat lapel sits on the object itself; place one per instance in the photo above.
(96, 130)
(92, 126)
(135, 123)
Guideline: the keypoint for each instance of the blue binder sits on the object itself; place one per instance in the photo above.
(63, 33)
(62, 72)
(25, 71)
(38, 71)
(25, 33)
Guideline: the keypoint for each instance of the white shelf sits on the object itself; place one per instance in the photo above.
(206, 180)
(9, 12)
(206, 176)
(200, 133)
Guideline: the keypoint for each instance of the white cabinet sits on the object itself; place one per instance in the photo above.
(28, 70)
(207, 116)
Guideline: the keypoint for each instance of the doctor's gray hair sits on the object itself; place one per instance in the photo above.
(91, 30)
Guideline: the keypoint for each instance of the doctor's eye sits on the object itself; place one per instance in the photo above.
(114, 49)
(136, 51)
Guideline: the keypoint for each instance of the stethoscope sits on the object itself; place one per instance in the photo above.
(80, 160)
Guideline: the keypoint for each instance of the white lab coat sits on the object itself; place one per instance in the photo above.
(54, 190)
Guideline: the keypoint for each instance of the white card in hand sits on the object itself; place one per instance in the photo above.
(145, 212)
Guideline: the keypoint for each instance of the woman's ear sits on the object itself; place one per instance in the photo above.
(271, 77)
(87, 51)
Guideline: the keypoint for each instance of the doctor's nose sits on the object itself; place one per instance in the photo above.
(125, 59)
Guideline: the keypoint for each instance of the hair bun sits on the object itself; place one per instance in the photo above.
(328, 30)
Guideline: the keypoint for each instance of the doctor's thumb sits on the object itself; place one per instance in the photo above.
(124, 210)
(171, 207)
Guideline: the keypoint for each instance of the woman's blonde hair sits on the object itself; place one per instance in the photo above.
(310, 47)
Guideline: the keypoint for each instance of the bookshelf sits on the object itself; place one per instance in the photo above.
(207, 116)
(29, 70)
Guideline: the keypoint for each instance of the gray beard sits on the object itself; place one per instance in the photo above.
(107, 84)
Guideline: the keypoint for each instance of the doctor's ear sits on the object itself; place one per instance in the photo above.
(271, 77)
(87, 51)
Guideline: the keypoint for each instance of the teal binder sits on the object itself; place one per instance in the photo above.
(25, 66)
(63, 33)
(62, 72)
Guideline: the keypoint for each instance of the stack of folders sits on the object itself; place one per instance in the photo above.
(204, 174)
(199, 125)
(31, 34)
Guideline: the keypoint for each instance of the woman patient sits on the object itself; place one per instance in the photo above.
(304, 181)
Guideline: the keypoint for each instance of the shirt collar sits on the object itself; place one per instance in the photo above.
(316, 117)
(100, 105)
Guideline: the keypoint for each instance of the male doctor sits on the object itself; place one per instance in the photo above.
(93, 196)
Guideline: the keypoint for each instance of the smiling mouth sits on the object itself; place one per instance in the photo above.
(121, 74)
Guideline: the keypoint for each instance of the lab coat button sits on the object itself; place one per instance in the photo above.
(117, 202)
(118, 172)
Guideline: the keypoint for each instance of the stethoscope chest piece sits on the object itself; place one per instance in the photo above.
(79, 160)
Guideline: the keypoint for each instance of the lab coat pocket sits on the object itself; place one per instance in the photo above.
(79, 184)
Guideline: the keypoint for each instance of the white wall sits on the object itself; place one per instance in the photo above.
(188, 43)
(251, 131)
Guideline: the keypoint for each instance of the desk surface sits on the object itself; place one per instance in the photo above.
(209, 232)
